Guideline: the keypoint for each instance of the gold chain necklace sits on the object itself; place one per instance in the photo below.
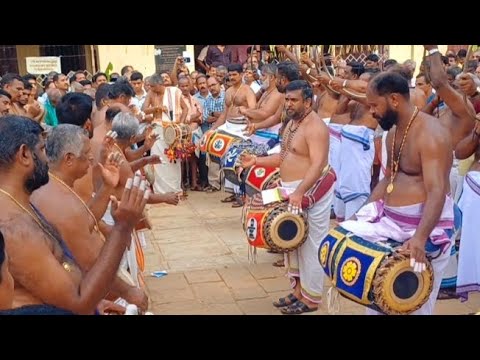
(264, 97)
(394, 164)
(65, 264)
(95, 227)
(285, 147)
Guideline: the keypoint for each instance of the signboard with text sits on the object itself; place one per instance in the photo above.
(165, 56)
(43, 64)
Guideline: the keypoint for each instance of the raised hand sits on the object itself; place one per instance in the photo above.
(150, 137)
(129, 210)
(111, 169)
(107, 146)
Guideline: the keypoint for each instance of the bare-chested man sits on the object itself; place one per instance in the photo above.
(304, 170)
(166, 104)
(6, 279)
(239, 94)
(76, 109)
(353, 159)
(69, 153)
(352, 149)
(268, 104)
(286, 73)
(37, 252)
(415, 189)
(13, 84)
(125, 125)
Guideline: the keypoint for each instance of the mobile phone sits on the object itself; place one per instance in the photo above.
(186, 59)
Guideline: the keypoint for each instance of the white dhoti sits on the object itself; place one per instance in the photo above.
(456, 181)
(377, 222)
(303, 263)
(468, 279)
(128, 270)
(267, 136)
(335, 146)
(168, 176)
(355, 169)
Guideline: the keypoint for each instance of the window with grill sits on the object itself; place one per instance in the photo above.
(8, 59)
(72, 56)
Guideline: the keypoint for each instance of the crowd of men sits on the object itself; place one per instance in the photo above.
(353, 138)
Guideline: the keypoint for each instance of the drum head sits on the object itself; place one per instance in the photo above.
(287, 231)
(397, 289)
(170, 135)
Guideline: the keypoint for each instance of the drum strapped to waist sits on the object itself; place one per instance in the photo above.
(259, 178)
(205, 140)
(174, 133)
(218, 144)
(230, 161)
(271, 226)
(376, 275)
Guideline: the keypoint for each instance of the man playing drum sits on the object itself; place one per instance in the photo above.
(303, 163)
(410, 205)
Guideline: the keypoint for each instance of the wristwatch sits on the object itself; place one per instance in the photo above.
(432, 51)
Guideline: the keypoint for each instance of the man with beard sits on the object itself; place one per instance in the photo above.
(303, 163)
(43, 268)
(70, 156)
(410, 205)
(268, 104)
(286, 73)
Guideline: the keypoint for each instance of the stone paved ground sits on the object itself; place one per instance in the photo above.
(202, 246)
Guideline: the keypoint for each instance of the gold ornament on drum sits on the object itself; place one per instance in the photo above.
(324, 254)
(350, 271)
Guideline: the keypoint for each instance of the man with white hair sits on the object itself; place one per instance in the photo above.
(69, 155)
(167, 106)
(125, 125)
